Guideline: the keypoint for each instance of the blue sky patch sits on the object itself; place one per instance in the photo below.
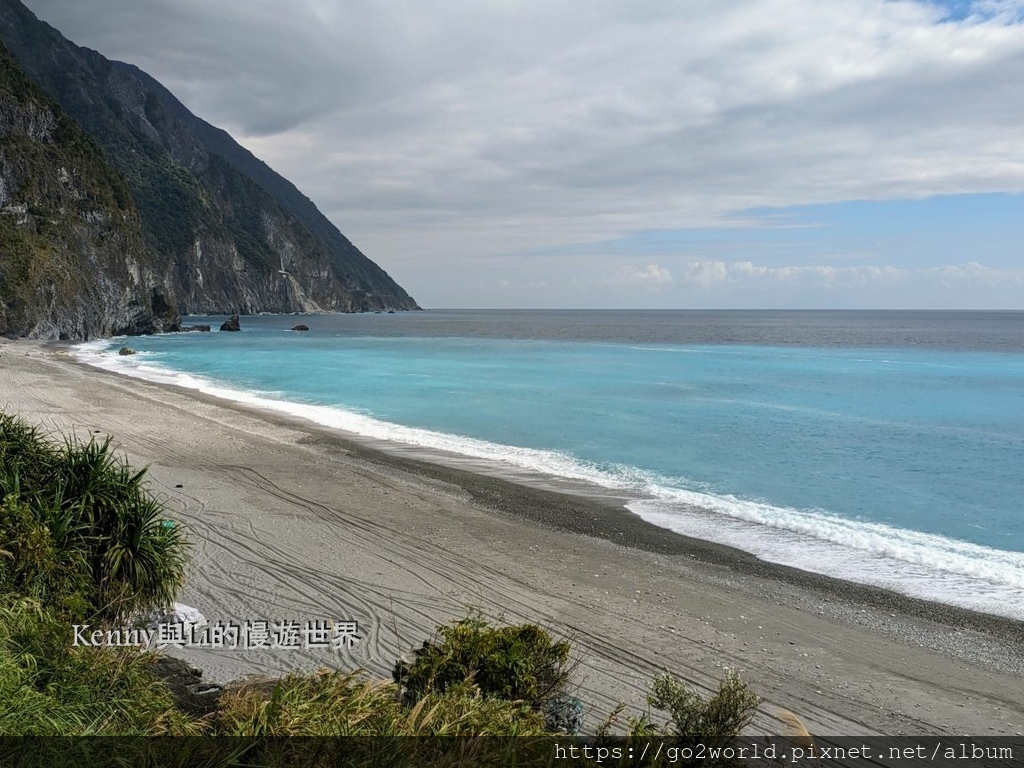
(948, 229)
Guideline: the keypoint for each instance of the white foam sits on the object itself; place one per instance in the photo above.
(920, 564)
(914, 563)
(529, 459)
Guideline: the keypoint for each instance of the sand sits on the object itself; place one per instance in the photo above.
(293, 521)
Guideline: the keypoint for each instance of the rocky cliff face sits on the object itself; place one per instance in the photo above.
(225, 233)
(73, 260)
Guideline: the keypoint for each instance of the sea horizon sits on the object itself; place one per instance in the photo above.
(727, 446)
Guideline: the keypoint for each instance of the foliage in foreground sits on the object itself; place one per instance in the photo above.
(713, 721)
(521, 662)
(78, 530)
(81, 539)
(49, 687)
(343, 704)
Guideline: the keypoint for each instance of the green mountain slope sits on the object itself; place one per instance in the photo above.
(73, 261)
(227, 233)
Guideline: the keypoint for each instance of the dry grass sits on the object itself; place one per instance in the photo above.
(796, 732)
(343, 704)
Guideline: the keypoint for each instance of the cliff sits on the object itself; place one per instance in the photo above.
(73, 260)
(223, 232)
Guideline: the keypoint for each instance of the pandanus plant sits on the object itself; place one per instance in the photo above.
(98, 516)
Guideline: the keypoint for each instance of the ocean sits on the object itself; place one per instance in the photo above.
(881, 447)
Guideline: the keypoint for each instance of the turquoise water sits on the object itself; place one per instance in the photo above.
(885, 449)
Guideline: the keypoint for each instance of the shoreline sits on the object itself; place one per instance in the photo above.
(590, 516)
(422, 541)
(583, 508)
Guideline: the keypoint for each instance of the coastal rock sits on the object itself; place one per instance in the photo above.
(300, 327)
(124, 351)
(166, 315)
(179, 614)
(186, 685)
(400, 672)
(195, 328)
(564, 713)
(231, 324)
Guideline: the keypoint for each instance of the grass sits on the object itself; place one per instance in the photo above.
(335, 703)
(82, 541)
(51, 688)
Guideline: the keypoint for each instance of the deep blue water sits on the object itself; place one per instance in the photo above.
(885, 447)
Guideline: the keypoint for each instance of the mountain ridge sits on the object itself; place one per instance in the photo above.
(62, 208)
(226, 233)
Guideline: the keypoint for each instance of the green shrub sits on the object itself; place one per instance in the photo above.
(79, 529)
(27, 554)
(514, 663)
(134, 560)
(26, 458)
(713, 721)
(31, 564)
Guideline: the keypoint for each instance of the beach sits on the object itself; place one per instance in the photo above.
(290, 521)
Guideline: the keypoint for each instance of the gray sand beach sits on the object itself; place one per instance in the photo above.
(293, 521)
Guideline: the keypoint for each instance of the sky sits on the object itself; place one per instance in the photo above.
(624, 153)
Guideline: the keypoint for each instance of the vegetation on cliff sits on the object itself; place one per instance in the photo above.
(226, 233)
(72, 257)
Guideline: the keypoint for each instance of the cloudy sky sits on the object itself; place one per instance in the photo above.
(624, 153)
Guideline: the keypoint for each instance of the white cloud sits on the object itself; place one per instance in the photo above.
(652, 274)
(704, 273)
(458, 131)
(949, 275)
(745, 284)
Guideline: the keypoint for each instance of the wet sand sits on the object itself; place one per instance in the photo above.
(294, 521)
